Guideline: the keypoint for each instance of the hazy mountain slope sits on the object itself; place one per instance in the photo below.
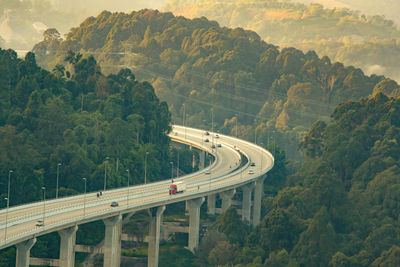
(199, 64)
(371, 43)
(389, 8)
(23, 22)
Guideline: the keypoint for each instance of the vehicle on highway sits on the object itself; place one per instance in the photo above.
(216, 136)
(114, 204)
(176, 188)
(207, 172)
(219, 145)
(207, 133)
(251, 172)
(40, 223)
(206, 140)
(213, 146)
(252, 164)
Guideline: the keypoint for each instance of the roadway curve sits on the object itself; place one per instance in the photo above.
(225, 173)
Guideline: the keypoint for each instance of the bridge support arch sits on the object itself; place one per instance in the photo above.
(67, 246)
(194, 221)
(246, 203)
(258, 193)
(211, 204)
(154, 235)
(24, 252)
(227, 199)
(112, 241)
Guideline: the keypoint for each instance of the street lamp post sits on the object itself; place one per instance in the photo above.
(84, 200)
(236, 125)
(5, 230)
(262, 144)
(127, 195)
(172, 170)
(145, 167)
(255, 135)
(210, 159)
(177, 168)
(58, 174)
(44, 203)
(105, 173)
(184, 118)
(8, 202)
(212, 119)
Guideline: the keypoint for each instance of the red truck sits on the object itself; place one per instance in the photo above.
(176, 188)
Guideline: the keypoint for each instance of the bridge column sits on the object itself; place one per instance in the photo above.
(154, 235)
(194, 222)
(67, 246)
(24, 252)
(258, 193)
(112, 241)
(246, 203)
(211, 204)
(227, 199)
(202, 157)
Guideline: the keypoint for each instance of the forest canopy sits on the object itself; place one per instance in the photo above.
(221, 74)
(80, 122)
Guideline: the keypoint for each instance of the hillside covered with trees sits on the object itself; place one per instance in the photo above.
(368, 42)
(88, 122)
(341, 209)
(220, 74)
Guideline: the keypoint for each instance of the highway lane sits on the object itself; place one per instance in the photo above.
(63, 212)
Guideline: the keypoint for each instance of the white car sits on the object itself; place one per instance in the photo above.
(251, 172)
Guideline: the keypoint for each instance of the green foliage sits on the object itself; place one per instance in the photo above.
(199, 64)
(341, 208)
(171, 256)
(231, 225)
(76, 122)
(342, 33)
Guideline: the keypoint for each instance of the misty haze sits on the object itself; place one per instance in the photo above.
(243, 133)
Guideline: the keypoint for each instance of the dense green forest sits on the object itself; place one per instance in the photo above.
(220, 74)
(88, 122)
(340, 209)
(368, 42)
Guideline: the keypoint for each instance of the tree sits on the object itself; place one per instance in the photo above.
(221, 254)
(388, 258)
(318, 243)
(231, 225)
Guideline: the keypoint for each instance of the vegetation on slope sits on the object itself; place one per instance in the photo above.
(371, 43)
(88, 122)
(342, 207)
(220, 74)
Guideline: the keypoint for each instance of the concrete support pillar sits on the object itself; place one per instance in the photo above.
(258, 193)
(194, 222)
(226, 197)
(211, 204)
(154, 235)
(201, 161)
(67, 246)
(246, 203)
(24, 252)
(112, 241)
